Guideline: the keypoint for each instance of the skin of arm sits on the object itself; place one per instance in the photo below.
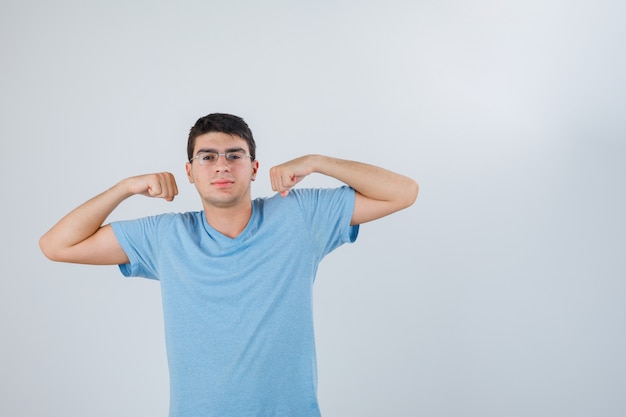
(80, 237)
(379, 192)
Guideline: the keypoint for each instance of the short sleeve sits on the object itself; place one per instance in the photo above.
(328, 212)
(140, 239)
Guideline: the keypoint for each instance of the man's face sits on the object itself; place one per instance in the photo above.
(222, 183)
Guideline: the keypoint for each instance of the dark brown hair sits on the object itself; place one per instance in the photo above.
(224, 123)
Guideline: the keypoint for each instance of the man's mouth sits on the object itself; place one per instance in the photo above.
(222, 183)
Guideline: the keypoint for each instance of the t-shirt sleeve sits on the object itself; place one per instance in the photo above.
(328, 212)
(140, 239)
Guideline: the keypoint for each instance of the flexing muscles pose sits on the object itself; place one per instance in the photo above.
(237, 276)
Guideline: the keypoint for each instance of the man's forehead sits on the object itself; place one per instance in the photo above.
(220, 141)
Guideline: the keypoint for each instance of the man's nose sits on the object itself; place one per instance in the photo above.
(221, 164)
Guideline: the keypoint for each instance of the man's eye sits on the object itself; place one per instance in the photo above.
(207, 157)
(233, 156)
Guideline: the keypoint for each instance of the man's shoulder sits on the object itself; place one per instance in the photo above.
(163, 219)
(310, 192)
(301, 200)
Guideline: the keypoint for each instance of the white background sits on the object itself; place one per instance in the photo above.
(499, 293)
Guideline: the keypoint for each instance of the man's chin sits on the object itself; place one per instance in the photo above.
(223, 201)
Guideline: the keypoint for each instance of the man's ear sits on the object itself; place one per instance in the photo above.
(255, 169)
(188, 169)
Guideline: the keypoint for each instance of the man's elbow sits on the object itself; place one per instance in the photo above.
(49, 249)
(410, 195)
(45, 248)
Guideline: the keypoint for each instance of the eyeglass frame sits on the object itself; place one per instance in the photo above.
(224, 154)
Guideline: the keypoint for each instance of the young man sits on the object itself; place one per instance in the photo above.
(237, 277)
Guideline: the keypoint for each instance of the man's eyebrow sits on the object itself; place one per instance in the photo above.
(217, 151)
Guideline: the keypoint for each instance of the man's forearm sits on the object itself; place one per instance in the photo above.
(83, 221)
(379, 192)
(371, 181)
(78, 237)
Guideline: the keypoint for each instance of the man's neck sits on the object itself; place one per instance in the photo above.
(229, 221)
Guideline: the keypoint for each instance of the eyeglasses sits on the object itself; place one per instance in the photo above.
(210, 157)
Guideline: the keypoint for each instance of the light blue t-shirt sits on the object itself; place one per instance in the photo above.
(238, 312)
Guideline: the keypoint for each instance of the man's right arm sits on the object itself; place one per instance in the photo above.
(80, 237)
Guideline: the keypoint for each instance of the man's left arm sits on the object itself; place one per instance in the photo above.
(379, 192)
